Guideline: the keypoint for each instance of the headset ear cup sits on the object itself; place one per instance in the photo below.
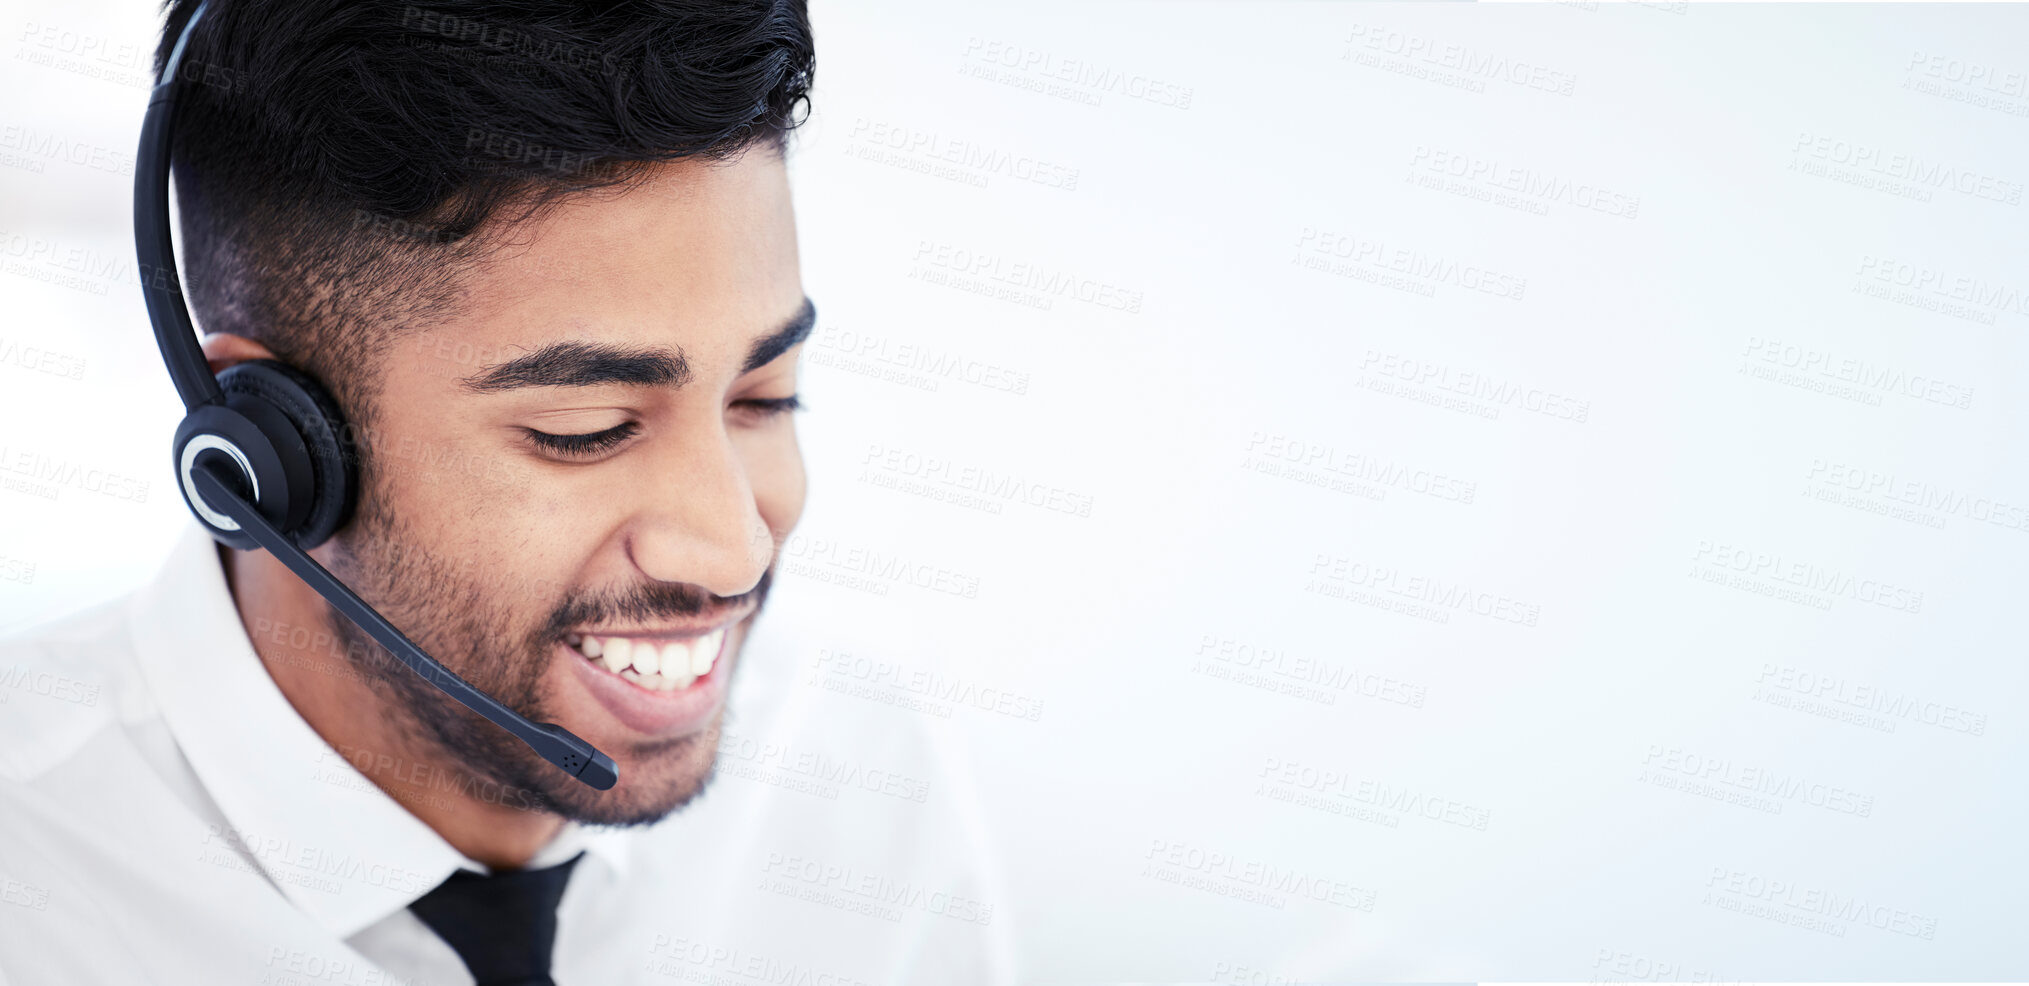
(326, 436)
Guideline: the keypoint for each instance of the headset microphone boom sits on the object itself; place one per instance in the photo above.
(261, 455)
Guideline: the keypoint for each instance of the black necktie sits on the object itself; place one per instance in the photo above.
(503, 925)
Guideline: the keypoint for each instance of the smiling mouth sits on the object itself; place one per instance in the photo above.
(656, 664)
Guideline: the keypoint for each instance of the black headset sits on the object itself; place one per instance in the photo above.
(263, 455)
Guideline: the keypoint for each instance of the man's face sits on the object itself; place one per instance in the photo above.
(592, 457)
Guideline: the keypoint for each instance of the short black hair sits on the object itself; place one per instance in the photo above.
(337, 164)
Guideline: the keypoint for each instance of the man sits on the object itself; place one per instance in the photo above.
(543, 256)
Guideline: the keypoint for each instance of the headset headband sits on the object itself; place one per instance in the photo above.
(174, 333)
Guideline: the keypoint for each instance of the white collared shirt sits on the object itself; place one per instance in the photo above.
(166, 816)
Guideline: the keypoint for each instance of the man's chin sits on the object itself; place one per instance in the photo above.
(657, 775)
(665, 742)
(656, 778)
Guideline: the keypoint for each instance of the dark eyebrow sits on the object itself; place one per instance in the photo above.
(778, 342)
(584, 364)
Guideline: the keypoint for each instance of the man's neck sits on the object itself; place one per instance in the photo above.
(289, 626)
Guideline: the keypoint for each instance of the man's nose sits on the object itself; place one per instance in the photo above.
(698, 521)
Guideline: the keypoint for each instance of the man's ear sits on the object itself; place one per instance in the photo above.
(222, 350)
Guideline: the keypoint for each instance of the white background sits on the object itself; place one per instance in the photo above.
(1677, 775)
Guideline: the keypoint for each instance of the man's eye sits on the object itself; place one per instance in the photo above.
(588, 444)
(768, 407)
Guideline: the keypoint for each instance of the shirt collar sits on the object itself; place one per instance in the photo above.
(608, 844)
(336, 845)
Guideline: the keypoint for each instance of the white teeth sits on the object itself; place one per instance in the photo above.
(675, 658)
(667, 667)
(647, 659)
(706, 652)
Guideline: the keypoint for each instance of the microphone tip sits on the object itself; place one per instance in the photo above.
(600, 772)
